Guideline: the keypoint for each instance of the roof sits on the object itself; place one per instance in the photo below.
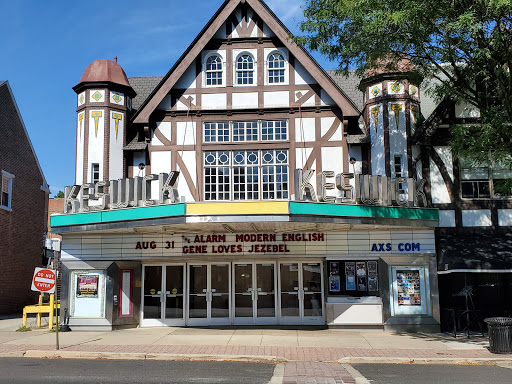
(104, 71)
(349, 85)
(45, 187)
(278, 28)
(135, 144)
(143, 85)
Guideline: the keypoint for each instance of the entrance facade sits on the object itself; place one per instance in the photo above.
(233, 293)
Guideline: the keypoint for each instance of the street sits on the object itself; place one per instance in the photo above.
(68, 371)
(430, 373)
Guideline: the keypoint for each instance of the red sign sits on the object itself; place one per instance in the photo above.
(43, 280)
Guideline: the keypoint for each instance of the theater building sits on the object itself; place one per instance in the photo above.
(245, 187)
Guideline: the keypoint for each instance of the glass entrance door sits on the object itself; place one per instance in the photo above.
(254, 293)
(209, 301)
(163, 300)
(301, 293)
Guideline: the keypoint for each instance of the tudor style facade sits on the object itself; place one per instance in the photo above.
(255, 128)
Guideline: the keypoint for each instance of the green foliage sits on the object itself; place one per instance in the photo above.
(24, 329)
(59, 195)
(462, 47)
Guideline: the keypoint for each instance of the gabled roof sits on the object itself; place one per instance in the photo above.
(278, 28)
(45, 187)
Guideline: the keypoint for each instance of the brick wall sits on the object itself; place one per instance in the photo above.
(22, 229)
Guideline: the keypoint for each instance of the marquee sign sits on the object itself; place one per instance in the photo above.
(136, 191)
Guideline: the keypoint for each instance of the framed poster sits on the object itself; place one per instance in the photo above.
(373, 283)
(349, 268)
(408, 287)
(334, 283)
(334, 268)
(361, 283)
(372, 267)
(87, 285)
(361, 268)
(350, 283)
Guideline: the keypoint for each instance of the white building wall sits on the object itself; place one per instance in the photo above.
(245, 100)
(439, 191)
(186, 133)
(188, 79)
(302, 76)
(115, 165)
(189, 159)
(80, 134)
(377, 139)
(276, 99)
(214, 101)
(304, 130)
(96, 142)
(476, 218)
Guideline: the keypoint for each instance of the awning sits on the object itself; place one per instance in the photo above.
(474, 250)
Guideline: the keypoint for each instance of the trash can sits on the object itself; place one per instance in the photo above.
(500, 334)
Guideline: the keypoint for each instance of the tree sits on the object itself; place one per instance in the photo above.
(462, 47)
(59, 195)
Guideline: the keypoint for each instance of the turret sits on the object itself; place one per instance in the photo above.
(103, 108)
(391, 112)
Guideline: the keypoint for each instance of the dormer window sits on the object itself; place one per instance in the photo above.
(213, 70)
(276, 68)
(245, 69)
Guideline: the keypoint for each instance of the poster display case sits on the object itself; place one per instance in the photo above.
(353, 278)
(410, 285)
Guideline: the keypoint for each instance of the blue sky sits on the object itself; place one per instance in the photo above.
(46, 45)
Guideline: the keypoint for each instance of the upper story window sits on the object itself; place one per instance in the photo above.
(244, 69)
(216, 132)
(480, 180)
(6, 190)
(398, 170)
(246, 175)
(95, 172)
(276, 68)
(244, 131)
(213, 70)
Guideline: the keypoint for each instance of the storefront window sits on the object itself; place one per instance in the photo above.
(353, 278)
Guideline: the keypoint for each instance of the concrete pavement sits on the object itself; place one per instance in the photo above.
(296, 347)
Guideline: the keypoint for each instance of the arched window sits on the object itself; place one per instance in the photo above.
(275, 65)
(245, 69)
(213, 70)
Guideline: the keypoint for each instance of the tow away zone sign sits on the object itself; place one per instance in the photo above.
(43, 280)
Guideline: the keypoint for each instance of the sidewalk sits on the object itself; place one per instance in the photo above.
(296, 347)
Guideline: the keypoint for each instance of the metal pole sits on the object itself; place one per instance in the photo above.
(56, 267)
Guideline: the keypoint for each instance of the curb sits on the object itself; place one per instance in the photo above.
(427, 360)
(63, 354)
(142, 356)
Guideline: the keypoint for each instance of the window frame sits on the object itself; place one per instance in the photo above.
(9, 177)
(262, 167)
(254, 70)
(268, 69)
(283, 126)
(92, 173)
(489, 182)
(222, 70)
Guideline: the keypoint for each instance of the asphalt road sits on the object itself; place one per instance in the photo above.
(426, 373)
(70, 371)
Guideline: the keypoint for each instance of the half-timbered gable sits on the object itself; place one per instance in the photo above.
(242, 108)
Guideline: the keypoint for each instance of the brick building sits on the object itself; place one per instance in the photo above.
(23, 207)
